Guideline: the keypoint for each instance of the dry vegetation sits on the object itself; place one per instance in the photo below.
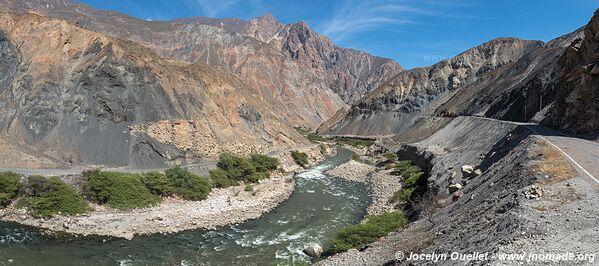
(554, 165)
(558, 169)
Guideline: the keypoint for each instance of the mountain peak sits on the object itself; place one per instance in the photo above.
(266, 19)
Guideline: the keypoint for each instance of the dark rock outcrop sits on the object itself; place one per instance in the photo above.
(576, 109)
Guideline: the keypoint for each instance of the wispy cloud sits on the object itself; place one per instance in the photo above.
(359, 16)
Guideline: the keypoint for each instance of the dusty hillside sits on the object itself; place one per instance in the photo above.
(76, 96)
(526, 199)
(552, 83)
(517, 91)
(267, 54)
(395, 105)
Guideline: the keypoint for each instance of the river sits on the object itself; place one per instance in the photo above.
(317, 209)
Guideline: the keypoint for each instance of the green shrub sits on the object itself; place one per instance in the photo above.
(47, 197)
(118, 190)
(377, 226)
(158, 183)
(354, 142)
(356, 158)
(234, 169)
(300, 158)
(237, 168)
(392, 157)
(9, 187)
(220, 179)
(255, 177)
(197, 188)
(414, 183)
(263, 163)
(248, 188)
(188, 185)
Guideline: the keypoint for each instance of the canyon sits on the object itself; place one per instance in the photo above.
(506, 132)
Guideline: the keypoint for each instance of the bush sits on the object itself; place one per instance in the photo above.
(47, 197)
(358, 235)
(356, 158)
(263, 163)
(9, 187)
(220, 179)
(158, 183)
(118, 190)
(248, 188)
(188, 185)
(300, 158)
(414, 183)
(234, 169)
(237, 168)
(323, 148)
(312, 137)
(354, 142)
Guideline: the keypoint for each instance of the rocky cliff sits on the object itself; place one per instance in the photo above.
(135, 92)
(508, 79)
(292, 55)
(73, 96)
(577, 107)
(395, 105)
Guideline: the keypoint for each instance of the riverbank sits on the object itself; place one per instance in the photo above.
(382, 183)
(223, 207)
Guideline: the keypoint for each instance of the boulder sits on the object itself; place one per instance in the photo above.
(454, 187)
(313, 250)
(477, 172)
(467, 170)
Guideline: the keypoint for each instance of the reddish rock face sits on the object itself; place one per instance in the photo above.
(243, 84)
(71, 95)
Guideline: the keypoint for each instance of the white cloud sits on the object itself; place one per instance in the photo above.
(359, 16)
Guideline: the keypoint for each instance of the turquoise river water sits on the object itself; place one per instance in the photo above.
(317, 209)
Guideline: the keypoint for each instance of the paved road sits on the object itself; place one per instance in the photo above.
(583, 153)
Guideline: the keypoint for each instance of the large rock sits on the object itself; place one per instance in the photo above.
(313, 250)
(467, 170)
(454, 187)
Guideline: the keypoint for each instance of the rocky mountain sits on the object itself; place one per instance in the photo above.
(506, 79)
(312, 59)
(135, 92)
(576, 108)
(350, 73)
(394, 106)
(73, 96)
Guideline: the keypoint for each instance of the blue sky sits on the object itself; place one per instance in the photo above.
(413, 32)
